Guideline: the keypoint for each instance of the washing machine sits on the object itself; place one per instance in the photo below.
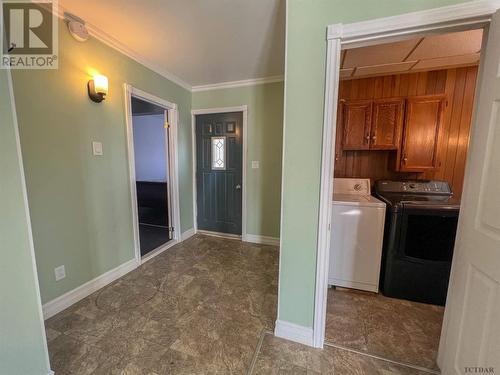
(356, 236)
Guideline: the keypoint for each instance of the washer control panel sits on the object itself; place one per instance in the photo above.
(414, 187)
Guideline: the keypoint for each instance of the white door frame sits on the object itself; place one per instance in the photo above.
(470, 15)
(244, 110)
(173, 167)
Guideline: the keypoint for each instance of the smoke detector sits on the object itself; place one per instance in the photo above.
(76, 27)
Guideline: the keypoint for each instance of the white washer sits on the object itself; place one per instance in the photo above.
(357, 235)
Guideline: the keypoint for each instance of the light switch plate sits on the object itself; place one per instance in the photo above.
(255, 164)
(97, 148)
(60, 272)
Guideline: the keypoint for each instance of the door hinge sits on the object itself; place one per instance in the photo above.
(171, 229)
(166, 125)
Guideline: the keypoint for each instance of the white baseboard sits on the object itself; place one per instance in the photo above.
(73, 296)
(51, 372)
(265, 240)
(294, 332)
(189, 233)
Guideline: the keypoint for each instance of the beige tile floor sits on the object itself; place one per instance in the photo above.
(399, 330)
(206, 306)
(278, 356)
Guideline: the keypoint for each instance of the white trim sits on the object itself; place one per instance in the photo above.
(244, 110)
(363, 353)
(51, 372)
(160, 249)
(451, 18)
(73, 296)
(130, 91)
(472, 14)
(27, 215)
(240, 83)
(187, 234)
(325, 209)
(229, 236)
(294, 332)
(282, 211)
(114, 43)
(265, 240)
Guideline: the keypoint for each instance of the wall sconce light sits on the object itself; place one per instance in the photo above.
(98, 88)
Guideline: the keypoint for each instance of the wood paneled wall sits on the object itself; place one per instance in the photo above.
(458, 85)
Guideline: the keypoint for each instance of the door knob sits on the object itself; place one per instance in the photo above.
(238, 187)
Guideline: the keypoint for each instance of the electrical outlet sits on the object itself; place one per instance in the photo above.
(255, 164)
(60, 272)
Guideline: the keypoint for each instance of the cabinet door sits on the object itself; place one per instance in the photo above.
(420, 133)
(357, 117)
(386, 124)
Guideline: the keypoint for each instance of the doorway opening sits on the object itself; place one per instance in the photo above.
(151, 124)
(219, 171)
(150, 128)
(407, 134)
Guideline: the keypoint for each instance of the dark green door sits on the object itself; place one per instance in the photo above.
(218, 172)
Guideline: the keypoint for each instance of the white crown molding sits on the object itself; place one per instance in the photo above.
(472, 13)
(107, 39)
(294, 332)
(112, 42)
(233, 84)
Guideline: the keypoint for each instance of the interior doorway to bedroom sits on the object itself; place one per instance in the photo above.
(152, 174)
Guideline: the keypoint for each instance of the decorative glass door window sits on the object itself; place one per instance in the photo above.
(219, 153)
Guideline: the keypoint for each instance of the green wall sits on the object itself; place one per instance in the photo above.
(80, 204)
(23, 349)
(305, 78)
(265, 133)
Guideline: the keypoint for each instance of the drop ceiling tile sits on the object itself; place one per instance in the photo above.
(344, 73)
(383, 69)
(453, 44)
(447, 62)
(379, 54)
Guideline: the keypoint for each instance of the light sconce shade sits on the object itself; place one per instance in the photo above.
(98, 88)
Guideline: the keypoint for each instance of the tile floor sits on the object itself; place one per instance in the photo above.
(403, 331)
(278, 356)
(197, 308)
(205, 306)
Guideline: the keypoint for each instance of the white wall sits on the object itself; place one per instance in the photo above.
(149, 148)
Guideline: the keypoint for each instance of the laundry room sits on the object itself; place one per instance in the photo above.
(404, 116)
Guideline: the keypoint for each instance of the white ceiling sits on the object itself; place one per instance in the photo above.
(199, 41)
(432, 52)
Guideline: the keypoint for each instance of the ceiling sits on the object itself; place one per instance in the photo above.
(428, 53)
(201, 42)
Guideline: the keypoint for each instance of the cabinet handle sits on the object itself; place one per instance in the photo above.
(405, 159)
(367, 138)
(374, 137)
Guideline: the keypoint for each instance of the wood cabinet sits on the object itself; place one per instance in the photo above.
(419, 144)
(372, 124)
(356, 116)
(386, 124)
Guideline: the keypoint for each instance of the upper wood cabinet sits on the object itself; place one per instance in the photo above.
(420, 133)
(356, 115)
(372, 124)
(387, 120)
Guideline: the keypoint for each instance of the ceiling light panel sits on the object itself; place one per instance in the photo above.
(379, 54)
(454, 44)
